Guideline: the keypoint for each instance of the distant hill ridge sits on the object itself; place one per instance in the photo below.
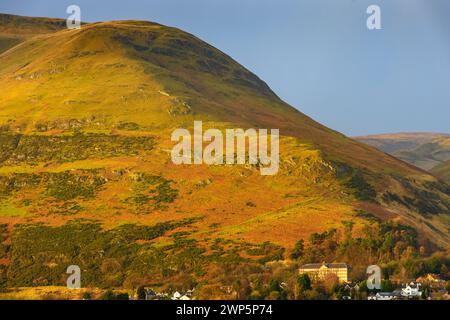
(424, 150)
(442, 170)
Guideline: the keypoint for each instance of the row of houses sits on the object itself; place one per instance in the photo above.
(150, 294)
(407, 291)
(319, 271)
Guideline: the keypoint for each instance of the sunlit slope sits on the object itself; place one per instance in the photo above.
(157, 77)
(87, 114)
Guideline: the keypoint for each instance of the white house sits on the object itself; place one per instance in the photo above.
(182, 295)
(412, 289)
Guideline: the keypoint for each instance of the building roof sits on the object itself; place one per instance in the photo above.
(412, 285)
(150, 292)
(328, 265)
(397, 292)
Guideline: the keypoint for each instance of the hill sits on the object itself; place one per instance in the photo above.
(86, 175)
(424, 150)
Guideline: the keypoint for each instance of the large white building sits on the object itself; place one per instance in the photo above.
(318, 271)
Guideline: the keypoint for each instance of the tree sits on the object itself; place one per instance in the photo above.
(348, 228)
(303, 285)
(316, 294)
(3, 278)
(425, 293)
(444, 269)
(87, 296)
(274, 285)
(108, 295)
(141, 295)
(242, 288)
(447, 286)
(330, 281)
(387, 285)
(273, 295)
(298, 249)
(122, 296)
(339, 291)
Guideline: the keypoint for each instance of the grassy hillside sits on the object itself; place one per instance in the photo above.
(86, 117)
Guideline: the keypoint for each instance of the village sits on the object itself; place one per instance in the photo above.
(427, 287)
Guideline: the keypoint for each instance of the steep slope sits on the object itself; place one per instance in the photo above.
(86, 117)
(424, 150)
(160, 58)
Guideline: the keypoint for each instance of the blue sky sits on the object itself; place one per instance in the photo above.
(318, 55)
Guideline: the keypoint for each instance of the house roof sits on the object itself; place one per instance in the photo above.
(150, 292)
(328, 265)
(352, 285)
(412, 285)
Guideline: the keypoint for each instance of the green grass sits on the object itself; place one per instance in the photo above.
(8, 209)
